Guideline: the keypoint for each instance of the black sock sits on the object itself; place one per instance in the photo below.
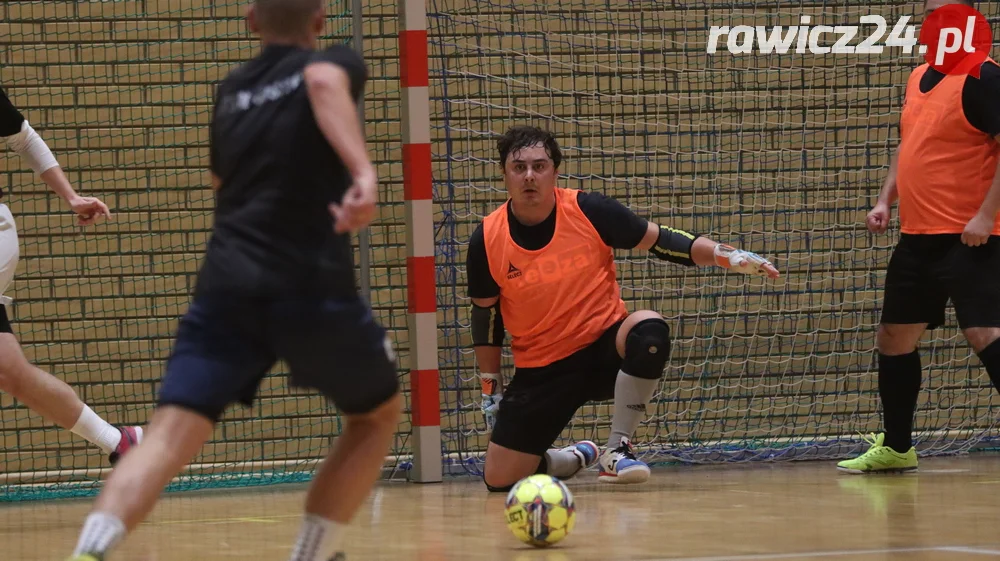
(899, 385)
(990, 357)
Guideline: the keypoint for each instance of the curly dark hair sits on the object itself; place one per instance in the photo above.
(524, 136)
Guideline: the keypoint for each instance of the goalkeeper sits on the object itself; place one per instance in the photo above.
(542, 267)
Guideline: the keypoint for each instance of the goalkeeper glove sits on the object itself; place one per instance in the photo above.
(743, 261)
(490, 405)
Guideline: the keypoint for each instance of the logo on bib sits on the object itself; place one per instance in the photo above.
(513, 272)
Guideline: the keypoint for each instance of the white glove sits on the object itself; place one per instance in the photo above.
(490, 405)
(743, 262)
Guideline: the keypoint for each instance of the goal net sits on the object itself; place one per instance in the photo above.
(780, 154)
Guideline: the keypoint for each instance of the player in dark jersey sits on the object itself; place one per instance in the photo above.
(541, 267)
(293, 179)
(43, 393)
(944, 174)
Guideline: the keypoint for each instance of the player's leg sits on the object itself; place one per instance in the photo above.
(345, 479)
(505, 466)
(336, 347)
(218, 359)
(536, 407)
(174, 436)
(55, 400)
(976, 296)
(643, 345)
(41, 392)
(914, 300)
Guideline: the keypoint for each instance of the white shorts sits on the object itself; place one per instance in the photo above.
(9, 251)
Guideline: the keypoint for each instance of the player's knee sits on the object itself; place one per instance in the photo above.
(897, 339)
(11, 382)
(495, 486)
(13, 374)
(647, 348)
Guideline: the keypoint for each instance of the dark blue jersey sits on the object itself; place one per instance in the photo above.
(273, 233)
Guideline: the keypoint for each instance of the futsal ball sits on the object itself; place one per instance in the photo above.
(540, 510)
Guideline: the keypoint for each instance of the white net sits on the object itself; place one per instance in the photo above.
(781, 154)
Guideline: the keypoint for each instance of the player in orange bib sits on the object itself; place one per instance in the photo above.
(944, 174)
(541, 267)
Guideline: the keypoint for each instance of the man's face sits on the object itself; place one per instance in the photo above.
(530, 176)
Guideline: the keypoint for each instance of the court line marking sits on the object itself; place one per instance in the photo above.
(270, 519)
(978, 550)
(832, 553)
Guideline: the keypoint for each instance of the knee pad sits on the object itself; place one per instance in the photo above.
(647, 348)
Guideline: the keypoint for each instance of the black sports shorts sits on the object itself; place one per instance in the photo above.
(541, 401)
(5, 326)
(925, 271)
(226, 344)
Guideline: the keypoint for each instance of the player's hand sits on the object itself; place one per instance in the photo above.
(744, 262)
(490, 406)
(977, 231)
(357, 209)
(878, 219)
(88, 210)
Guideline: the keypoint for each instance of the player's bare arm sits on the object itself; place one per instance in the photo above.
(878, 219)
(32, 148)
(683, 248)
(329, 89)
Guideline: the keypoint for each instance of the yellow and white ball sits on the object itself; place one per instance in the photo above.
(540, 510)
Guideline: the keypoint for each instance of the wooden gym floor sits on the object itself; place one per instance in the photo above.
(947, 511)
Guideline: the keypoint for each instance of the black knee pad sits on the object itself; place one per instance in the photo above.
(647, 348)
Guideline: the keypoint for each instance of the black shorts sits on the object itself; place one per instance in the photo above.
(540, 402)
(226, 344)
(925, 271)
(5, 326)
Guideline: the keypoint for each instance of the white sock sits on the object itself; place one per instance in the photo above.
(631, 396)
(319, 539)
(100, 533)
(561, 463)
(96, 430)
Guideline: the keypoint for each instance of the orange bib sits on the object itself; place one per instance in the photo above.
(946, 165)
(558, 299)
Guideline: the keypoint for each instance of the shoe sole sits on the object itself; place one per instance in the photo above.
(634, 475)
(876, 471)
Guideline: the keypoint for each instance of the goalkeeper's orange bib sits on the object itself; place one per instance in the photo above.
(945, 164)
(558, 299)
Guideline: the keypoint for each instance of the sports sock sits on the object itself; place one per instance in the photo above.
(990, 357)
(899, 385)
(101, 532)
(561, 463)
(319, 539)
(96, 430)
(631, 396)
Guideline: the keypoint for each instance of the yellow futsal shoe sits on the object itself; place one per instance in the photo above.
(84, 557)
(880, 459)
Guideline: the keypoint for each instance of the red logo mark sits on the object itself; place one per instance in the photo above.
(956, 39)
